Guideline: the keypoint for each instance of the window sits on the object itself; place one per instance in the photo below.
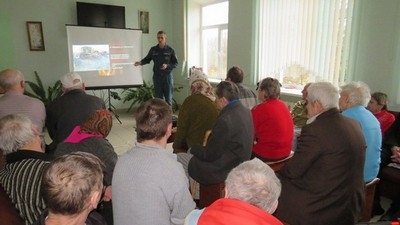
(303, 41)
(214, 39)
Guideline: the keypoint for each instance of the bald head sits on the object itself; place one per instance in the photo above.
(12, 79)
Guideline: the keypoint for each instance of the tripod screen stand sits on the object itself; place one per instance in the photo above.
(111, 108)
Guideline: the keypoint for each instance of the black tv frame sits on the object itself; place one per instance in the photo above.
(100, 15)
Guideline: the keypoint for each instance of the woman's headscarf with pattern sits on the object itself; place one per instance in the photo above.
(99, 123)
(199, 84)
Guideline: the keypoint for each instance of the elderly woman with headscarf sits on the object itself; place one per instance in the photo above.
(197, 113)
(90, 136)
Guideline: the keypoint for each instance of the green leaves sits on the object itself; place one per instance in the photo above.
(39, 91)
(144, 93)
(138, 95)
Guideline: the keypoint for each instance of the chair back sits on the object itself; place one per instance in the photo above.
(369, 200)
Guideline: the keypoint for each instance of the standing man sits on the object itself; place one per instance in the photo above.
(165, 61)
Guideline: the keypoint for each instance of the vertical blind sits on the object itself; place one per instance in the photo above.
(304, 41)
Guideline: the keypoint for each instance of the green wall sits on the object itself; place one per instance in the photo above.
(374, 57)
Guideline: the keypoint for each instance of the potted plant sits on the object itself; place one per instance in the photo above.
(39, 91)
(144, 93)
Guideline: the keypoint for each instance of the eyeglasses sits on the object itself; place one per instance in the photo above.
(100, 205)
(103, 191)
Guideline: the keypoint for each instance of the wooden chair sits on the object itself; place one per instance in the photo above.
(210, 193)
(8, 213)
(277, 165)
(369, 200)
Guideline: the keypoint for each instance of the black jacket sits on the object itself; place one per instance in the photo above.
(230, 143)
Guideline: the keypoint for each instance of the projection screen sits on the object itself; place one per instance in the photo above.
(104, 57)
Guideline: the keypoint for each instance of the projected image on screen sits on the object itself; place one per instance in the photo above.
(91, 57)
(104, 57)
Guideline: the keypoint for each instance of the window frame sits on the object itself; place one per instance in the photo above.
(195, 49)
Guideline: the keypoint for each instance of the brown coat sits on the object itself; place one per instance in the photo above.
(323, 183)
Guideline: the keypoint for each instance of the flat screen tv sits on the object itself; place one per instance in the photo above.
(100, 15)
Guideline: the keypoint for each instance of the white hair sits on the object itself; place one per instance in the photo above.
(325, 93)
(254, 182)
(10, 77)
(16, 131)
(358, 92)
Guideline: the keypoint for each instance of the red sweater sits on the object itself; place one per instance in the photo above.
(273, 129)
(234, 212)
(386, 119)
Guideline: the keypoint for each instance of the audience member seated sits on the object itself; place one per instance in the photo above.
(14, 101)
(299, 111)
(378, 106)
(390, 154)
(228, 145)
(197, 113)
(72, 188)
(246, 96)
(25, 160)
(90, 137)
(251, 196)
(149, 185)
(71, 109)
(391, 144)
(323, 182)
(354, 97)
(273, 125)
(299, 115)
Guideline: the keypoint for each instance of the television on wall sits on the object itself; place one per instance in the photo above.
(100, 15)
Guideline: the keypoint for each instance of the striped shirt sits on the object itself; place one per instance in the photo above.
(21, 178)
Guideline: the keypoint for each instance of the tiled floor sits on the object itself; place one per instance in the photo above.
(123, 137)
(385, 203)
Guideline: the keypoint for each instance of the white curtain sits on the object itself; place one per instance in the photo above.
(304, 41)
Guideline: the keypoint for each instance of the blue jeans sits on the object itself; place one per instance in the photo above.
(163, 85)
